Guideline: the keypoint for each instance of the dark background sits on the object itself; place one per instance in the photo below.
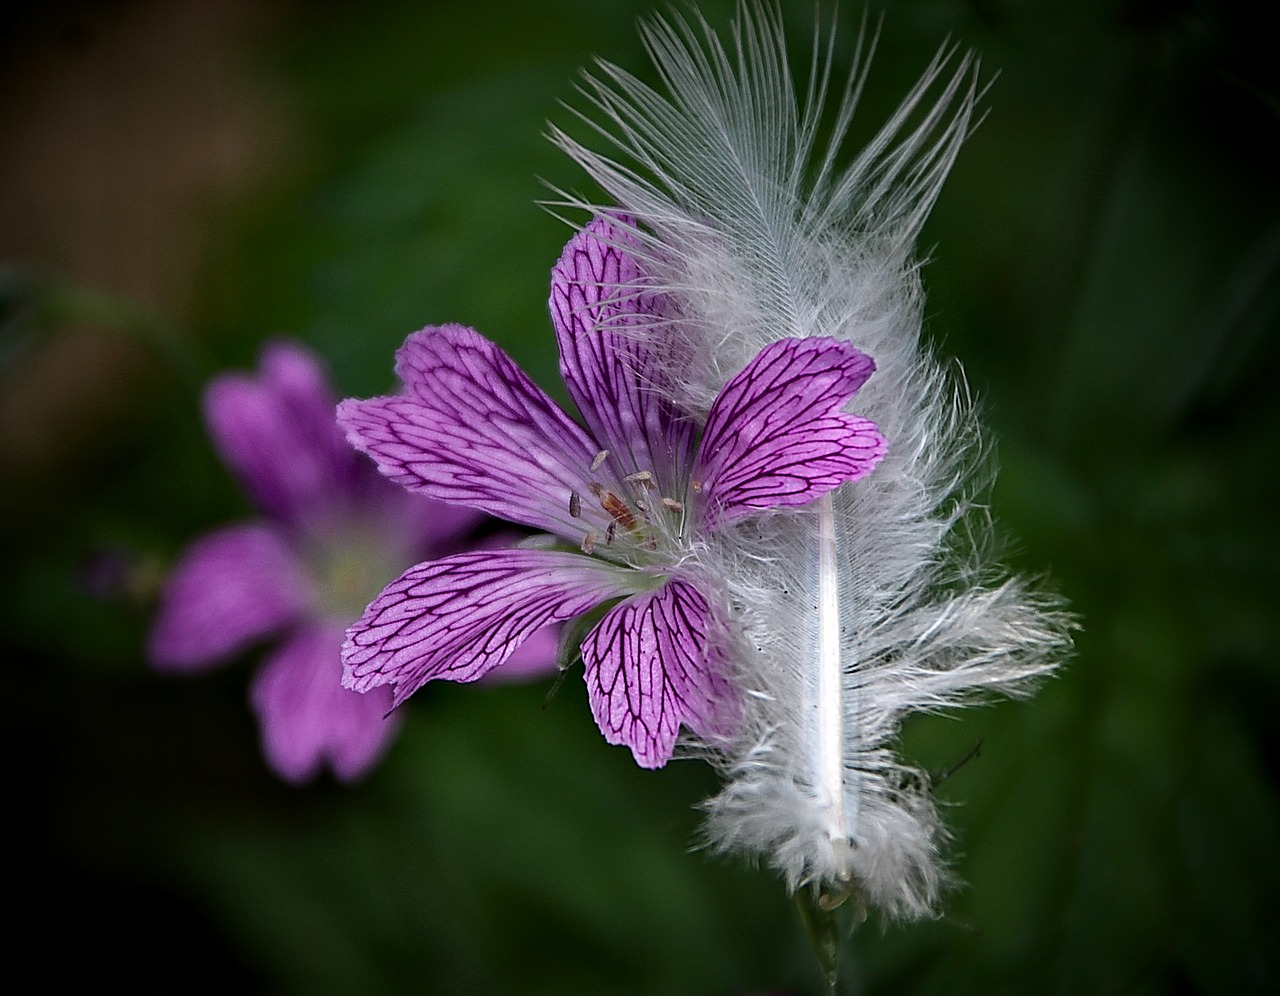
(180, 180)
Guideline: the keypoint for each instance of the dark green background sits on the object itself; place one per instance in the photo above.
(1104, 264)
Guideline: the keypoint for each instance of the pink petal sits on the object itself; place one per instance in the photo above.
(650, 667)
(471, 428)
(308, 720)
(600, 317)
(230, 589)
(276, 431)
(415, 528)
(538, 656)
(776, 435)
(535, 658)
(460, 617)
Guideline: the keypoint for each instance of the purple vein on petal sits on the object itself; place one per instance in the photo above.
(461, 616)
(648, 671)
(598, 313)
(471, 428)
(776, 437)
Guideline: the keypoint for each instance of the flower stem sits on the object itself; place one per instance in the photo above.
(828, 925)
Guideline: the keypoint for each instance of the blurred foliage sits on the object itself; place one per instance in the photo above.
(1104, 264)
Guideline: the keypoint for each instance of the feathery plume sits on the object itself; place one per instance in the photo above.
(880, 598)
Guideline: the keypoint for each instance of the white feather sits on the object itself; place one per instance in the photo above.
(881, 599)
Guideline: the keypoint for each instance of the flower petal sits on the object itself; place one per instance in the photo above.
(776, 436)
(472, 429)
(228, 590)
(598, 313)
(416, 528)
(308, 719)
(459, 617)
(650, 668)
(277, 433)
(535, 658)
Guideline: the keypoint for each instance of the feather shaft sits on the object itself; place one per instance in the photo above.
(830, 705)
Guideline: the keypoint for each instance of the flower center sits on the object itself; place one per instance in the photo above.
(350, 568)
(636, 524)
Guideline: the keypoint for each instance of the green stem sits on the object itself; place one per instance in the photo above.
(829, 918)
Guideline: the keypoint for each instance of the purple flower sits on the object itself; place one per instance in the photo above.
(631, 502)
(332, 529)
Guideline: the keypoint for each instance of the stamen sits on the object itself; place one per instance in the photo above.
(642, 477)
(672, 504)
(618, 509)
(575, 504)
(589, 541)
(601, 457)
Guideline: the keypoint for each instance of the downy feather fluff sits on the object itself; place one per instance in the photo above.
(880, 599)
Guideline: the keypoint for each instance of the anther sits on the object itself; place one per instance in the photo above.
(642, 477)
(589, 541)
(617, 509)
(575, 504)
(695, 487)
(672, 504)
(609, 532)
(601, 457)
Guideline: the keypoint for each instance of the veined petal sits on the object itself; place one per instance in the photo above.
(597, 311)
(307, 719)
(228, 590)
(535, 658)
(650, 668)
(776, 436)
(472, 429)
(277, 434)
(461, 616)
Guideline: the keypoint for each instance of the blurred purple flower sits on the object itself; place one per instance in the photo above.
(631, 501)
(332, 532)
